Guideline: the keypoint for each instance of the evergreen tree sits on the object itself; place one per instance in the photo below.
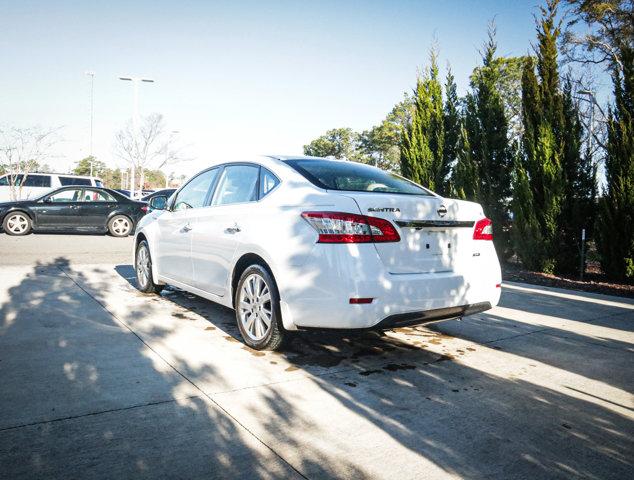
(465, 178)
(452, 127)
(422, 144)
(487, 128)
(539, 177)
(616, 218)
(579, 189)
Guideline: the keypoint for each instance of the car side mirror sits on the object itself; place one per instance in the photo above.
(48, 200)
(158, 203)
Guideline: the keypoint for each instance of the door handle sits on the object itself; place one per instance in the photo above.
(234, 229)
(186, 228)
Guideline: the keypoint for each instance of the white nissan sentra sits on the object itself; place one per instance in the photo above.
(294, 243)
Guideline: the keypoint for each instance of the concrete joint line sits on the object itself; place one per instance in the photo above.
(100, 412)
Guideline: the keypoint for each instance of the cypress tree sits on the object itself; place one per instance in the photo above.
(452, 127)
(465, 179)
(579, 188)
(539, 177)
(487, 128)
(423, 140)
(616, 219)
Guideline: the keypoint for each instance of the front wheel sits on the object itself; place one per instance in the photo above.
(17, 223)
(143, 268)
(120, 226)
(257, 304)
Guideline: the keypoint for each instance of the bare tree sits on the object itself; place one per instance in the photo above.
(148, 148)
(24, 150)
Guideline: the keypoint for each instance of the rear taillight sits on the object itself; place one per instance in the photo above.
(483, 230)
(338, 227)
(145, 208)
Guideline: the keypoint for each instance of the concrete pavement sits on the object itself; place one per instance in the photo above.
(99, 381)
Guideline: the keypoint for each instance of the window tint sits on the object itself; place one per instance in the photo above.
(239, 183)
(268, 182)
(193, 194)
(71, 195)
(65, 181)
(4, 181)
(356, 177)
(37, 181)
(96, 196)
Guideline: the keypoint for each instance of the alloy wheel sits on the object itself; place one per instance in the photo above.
(143, 266)
(254, 307)
(17, 224)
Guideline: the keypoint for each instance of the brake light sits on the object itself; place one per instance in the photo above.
(483, 230)
(145, 208)
(338, 227)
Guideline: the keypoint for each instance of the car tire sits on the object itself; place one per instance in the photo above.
(17, 224)
(120, 226)
(257, 301)
(143, 269)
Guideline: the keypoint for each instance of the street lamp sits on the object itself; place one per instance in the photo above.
(135, 120)
(92, 81)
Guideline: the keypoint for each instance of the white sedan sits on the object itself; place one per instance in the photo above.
(294, 243)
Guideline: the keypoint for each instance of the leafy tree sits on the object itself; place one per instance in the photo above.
(338, 143)
(540, 177)
(487, 129)
(423, 141)
(381, 144)
(82, 167)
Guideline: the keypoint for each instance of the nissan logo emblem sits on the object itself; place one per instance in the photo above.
(442, 211)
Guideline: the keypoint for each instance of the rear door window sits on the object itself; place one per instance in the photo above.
(354, 177)
(238, 184)
(97, 196)
(4, 181)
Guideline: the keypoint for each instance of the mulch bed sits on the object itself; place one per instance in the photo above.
(594, 280)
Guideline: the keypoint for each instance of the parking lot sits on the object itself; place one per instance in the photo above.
(100, 381)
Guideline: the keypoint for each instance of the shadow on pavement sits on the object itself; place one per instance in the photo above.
(88, 398)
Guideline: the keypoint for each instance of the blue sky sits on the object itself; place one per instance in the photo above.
(234, 78)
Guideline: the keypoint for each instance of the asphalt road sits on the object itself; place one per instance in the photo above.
(100, 381)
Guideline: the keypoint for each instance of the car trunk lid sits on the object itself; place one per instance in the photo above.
(434, 231)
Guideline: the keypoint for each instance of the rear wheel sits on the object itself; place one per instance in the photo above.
(120, 226)
(143, 268)
(17, 223)
(257, 304)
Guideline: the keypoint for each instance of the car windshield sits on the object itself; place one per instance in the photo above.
(355, 177)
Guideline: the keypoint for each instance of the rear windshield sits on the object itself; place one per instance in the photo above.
(354, 177)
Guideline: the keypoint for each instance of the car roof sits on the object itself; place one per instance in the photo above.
(53, 173)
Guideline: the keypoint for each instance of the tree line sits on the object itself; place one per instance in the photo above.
(516, 142)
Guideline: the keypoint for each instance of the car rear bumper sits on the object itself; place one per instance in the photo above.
(319, 297)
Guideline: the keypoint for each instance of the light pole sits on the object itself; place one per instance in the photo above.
(91, 74)
(135, 121)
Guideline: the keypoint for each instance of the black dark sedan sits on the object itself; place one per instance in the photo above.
(80, 209)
